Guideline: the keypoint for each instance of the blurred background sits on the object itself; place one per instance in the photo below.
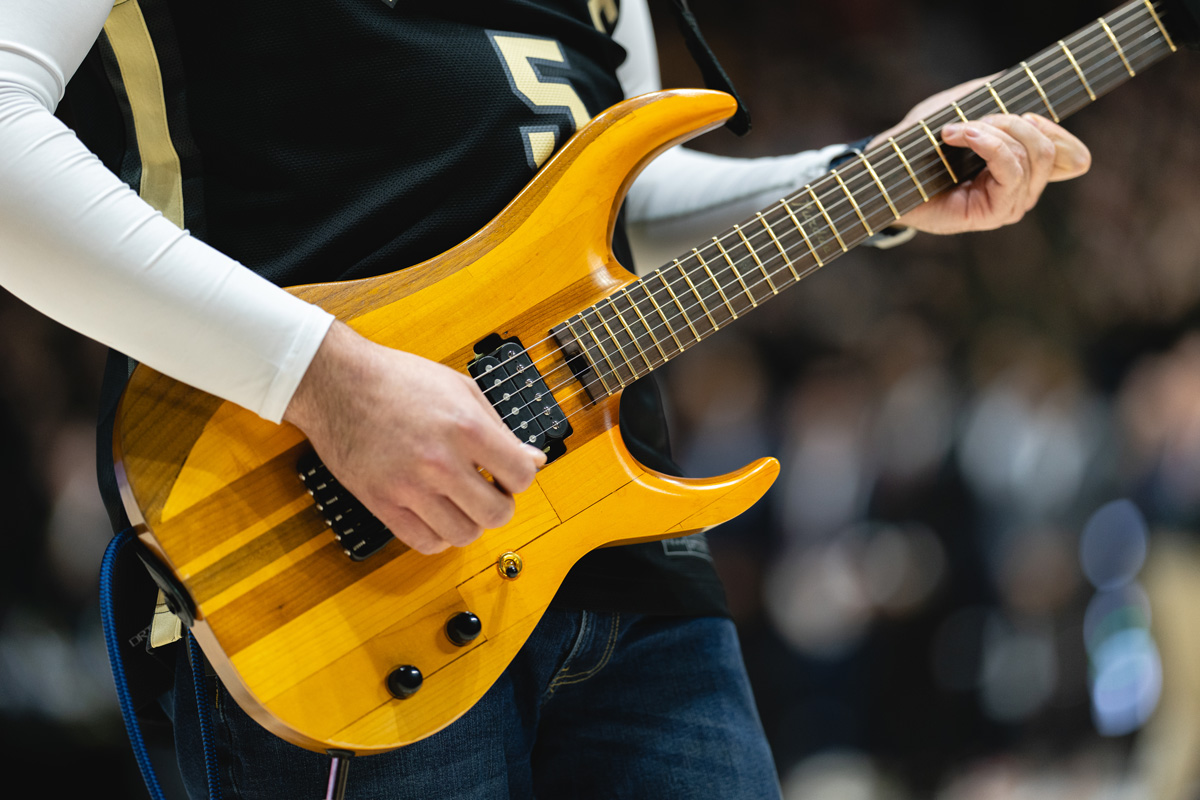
(976, 575)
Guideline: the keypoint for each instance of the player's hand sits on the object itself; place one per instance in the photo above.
(407, 437)
(1023, 154)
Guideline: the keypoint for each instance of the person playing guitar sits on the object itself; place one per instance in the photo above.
(225, 150)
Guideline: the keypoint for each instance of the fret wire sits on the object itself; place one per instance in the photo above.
(779, 245)
(908, 167)
(1043, 57)
(961, 115)
(603, 352)
(1078, 71)
(1136, 51)
(879, 183)
(757, 260)
(645, 324)
(853, 203)
(632, 336)
(1096, 50)
(800, 228)
(666, 322)
(767, 226)
(733, 268)
(1116, 44)
(996, 97)
(713, 279)
(1101, 44)
(938, 147)
(828, 221)
(671, 292)
(1158, 22)
(583, 346)
(1041, 91)
(613, 336)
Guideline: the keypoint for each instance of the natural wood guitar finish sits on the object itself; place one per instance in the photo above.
(304, 637)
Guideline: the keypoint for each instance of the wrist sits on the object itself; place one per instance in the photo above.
(328, 368)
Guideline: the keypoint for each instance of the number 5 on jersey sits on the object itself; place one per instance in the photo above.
(522, 56)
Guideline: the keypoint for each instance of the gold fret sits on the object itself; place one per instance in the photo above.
(682, 311)
(800, 228)
(1158, 22)
(645, 324)
(699, 299)
(775, 239)
(908, 167)
(629, 330)
(613, 336)
(754, 255)
(666, 321)
(1042, 92)
(938, 147)
(825, 214)
(736, 274)
(879, 183)
(1117, 45)
(616, 373)
(696, 292)
(853, 203)
(595, 367)
(1082, 78)
(959, 111)
(996, 97)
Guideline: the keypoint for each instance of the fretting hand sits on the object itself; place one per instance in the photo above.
(1023, 154)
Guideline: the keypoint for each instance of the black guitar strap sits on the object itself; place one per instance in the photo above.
(714, 74)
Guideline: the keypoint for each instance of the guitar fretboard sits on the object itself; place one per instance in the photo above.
(654, 319)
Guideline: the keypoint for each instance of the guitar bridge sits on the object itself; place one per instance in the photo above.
(360, 532)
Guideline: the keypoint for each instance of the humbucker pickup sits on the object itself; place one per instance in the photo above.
(510, 381)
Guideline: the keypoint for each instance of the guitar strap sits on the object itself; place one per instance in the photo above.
(714, 74)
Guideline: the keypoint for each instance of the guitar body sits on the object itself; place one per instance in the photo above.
(305, 637)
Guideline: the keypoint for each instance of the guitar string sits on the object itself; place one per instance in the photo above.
(1136, 50)
(823, 184)
(630, 365)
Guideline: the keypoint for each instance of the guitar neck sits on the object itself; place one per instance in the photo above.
(654, 319)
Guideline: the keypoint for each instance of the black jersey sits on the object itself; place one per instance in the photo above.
(320, 140)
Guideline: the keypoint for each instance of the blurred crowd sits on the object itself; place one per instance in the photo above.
(975, 575)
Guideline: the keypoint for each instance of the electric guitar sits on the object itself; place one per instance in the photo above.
(332, 633)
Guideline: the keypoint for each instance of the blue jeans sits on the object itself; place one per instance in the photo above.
(596, 705)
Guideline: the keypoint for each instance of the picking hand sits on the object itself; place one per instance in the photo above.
(408, 436)
(1023, 154)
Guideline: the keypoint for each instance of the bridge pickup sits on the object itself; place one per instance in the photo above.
(510, 381)
(360, 532)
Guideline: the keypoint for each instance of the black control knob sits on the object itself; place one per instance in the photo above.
(463, 628)
(404, 681)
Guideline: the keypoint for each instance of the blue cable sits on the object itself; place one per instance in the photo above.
(128, 712)
(211, 772)
(124, 697)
